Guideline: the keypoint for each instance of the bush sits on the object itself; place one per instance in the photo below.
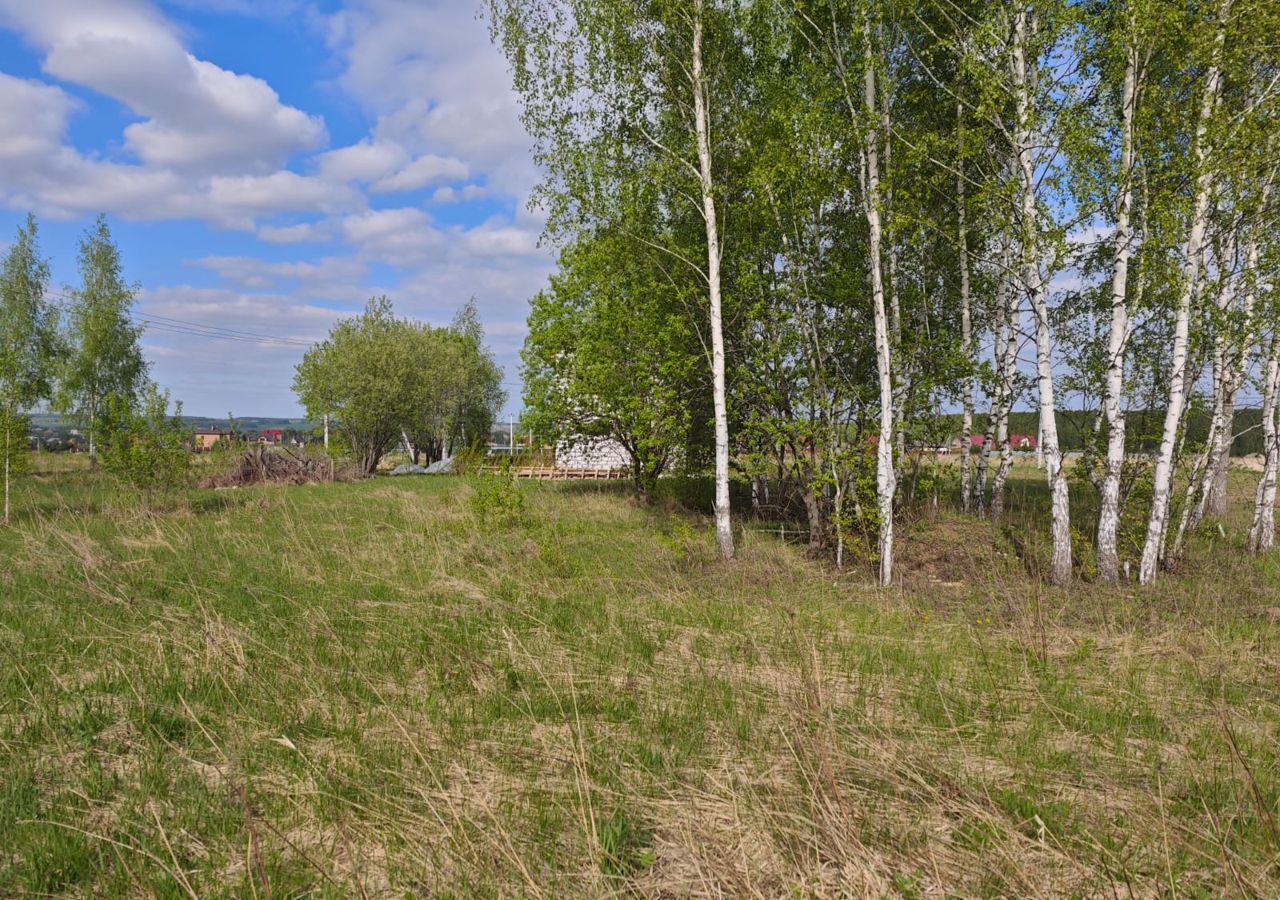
(145, 448)
(497, 498)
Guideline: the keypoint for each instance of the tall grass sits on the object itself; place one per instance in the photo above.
(385, 689)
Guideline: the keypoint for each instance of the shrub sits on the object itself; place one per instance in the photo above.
(145, 448)
(497, 498)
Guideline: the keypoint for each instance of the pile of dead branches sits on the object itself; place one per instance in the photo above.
(274, 465)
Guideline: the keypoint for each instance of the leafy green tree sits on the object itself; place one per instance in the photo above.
(143, 446)
(478, 395)
(438, 380)
(611, 354)
(363, 377)
(615, 92)
(28, 346)
(105, 357)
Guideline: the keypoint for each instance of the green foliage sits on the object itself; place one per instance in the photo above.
(144, 447)
(28, 323)
(14, 441)
(378, 377)
(497, 498)
(610, 354)
(28, 346)
(105, 357)
(474, 385)
(362, 376)
(625, 846)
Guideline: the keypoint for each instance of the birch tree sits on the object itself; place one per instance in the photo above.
(105, 357)
(611, 89)
(885, 472)
(28, 344)
(1118, 332)
(1192, 261)
(966, 317)
(1024, 145)
(1262, 530)
(849, 40)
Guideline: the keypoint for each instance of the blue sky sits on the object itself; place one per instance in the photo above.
(268, 165)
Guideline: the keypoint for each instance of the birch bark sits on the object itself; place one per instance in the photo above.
(1193, 253)
(1008, 370)
(966, 331)
(885, 475)
(1060, 565)
(1262, 532)
(1118, 337)
(724, 528)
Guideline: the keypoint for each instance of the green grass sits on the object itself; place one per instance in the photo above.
(404, 688)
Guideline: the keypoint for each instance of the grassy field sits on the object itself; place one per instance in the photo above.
(421, 687)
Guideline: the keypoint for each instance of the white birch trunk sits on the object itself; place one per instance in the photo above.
(1193, 252)
(966, 334)
(1218, 445)
(1262, 532)
(1008, 368)
(724, 528)
(885, 476)
(1202, 471)
(1117, 339)
(883, 132)
(1060, 566)
(1216, 499)
(999, 345)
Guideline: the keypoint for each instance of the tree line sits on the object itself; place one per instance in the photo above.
(794, 233)
(377, 378)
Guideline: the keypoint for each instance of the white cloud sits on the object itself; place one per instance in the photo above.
(33, 117)
(241, 198)
(365, 161)
(403, 237)
(450, 194)
(301, 233)
(493, 239)
(322, 275)
(428, 70)
(196, 114)
(424, 171)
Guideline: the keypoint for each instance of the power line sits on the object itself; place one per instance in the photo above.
(230, 332)
(166, 328)
(174, 326)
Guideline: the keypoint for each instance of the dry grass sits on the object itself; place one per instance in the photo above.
(381, 690)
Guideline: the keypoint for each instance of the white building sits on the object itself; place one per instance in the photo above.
(592, 453)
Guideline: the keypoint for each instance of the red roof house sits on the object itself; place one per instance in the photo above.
(1016, 441)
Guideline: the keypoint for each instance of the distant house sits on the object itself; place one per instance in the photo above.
(273, 436)
(592, 453)
(207, 438)
(1016, 441)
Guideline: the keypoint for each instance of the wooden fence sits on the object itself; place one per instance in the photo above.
(551, 473)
